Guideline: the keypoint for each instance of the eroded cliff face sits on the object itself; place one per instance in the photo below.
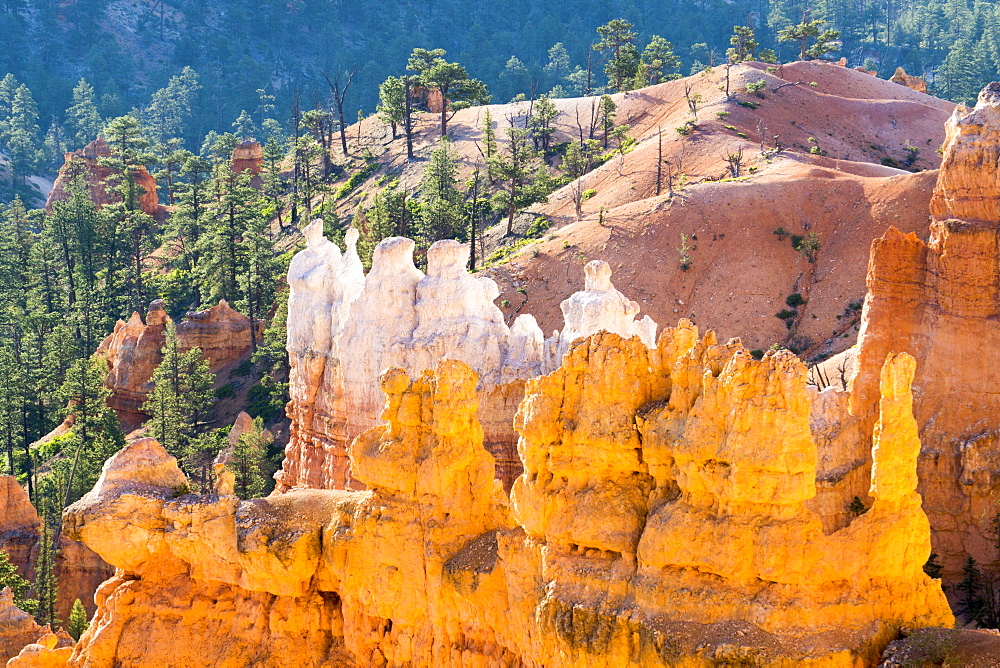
(345, 328)
(939, 302)
(86, 163)
(660, 519)
(17, 628)
(79, 571)
(133, 351)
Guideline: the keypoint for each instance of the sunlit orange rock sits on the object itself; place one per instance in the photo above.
(86, 163)
(916, 83)
(134, 350)
(78, 569)
(939, 301)
(661, 519)
(248, 156)
(51, 650)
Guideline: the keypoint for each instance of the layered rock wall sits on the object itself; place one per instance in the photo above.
(660, 520)
(345, 328)
(939, 301)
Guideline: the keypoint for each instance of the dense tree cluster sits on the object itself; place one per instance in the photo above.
(192, 71)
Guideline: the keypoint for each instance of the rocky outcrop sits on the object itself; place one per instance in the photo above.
(248, 156)
(19, 524)
(87, 163)
(17, 628)
(345, 328)
(51, 650)
(916, 83)
(938, 301)
(660, 520)
(966, 185)
(79, 571)
(134, 350)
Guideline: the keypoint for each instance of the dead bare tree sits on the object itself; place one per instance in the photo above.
(408, 116)
(339, 94)
(842, 370)
(659, 158)
(735, 161)
(674, 169)
(594, 115)
(693, 100)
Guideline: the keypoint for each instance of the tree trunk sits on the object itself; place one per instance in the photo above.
(407, 118)
(444, 111)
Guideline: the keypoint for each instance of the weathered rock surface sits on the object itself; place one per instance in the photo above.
(19, 523)
(248, 156)
(133, 351)
(345, 328)
(916, 83)
(660, 520)
(939, 302)
(17, 628)
(51, 650)
(78, 569)
(87, 163)
(966, 185)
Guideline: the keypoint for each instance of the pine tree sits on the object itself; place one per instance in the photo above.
(623, 58)
(83, 121)
(182, 393)
(249, 462)
(441, 213)
(972, 600)
(517, 169)
(78, 622)
(457, 89)
(96, 434)
(559, 63)
(540, 124)
(825, 40)
(389, 216)
(744, 44)
(46, 583)
(658, 62)
(22, 136)
(131, 225)
(606, 111)
(171, 106)
(222, 261)
(18, 585)
(244, 126)
(391, 104)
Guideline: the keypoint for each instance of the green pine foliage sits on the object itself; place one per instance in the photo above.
(182, 392)
(250, 463)
(18, 585)
(78, 622)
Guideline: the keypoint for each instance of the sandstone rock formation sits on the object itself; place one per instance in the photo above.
(133, 351)
(916, 83)
(19, 525)
(86, 163)
(17, 628)
(248, 156)
(938, 301)
(345, 328)
(78, 569)
(51, 650)
(660, 520)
